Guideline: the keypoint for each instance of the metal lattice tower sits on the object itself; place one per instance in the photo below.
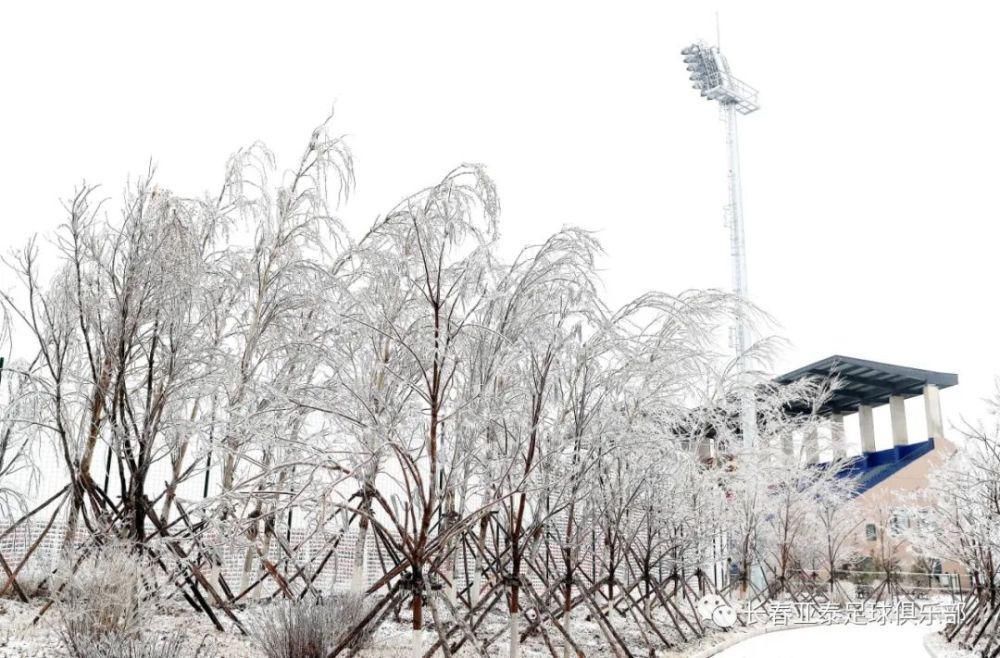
(710, 75)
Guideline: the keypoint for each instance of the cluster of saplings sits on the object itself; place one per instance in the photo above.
(518, 460)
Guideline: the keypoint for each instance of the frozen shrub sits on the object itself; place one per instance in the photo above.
(102, 609)
(306, 629)
(346, 612)
(118, 645)
(102, 595)
(294, 630)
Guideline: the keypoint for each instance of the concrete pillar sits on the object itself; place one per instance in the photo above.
(810, 445)
(897, 414)
(705, 449)
(932, 408)
(867, 421)
(838, 439)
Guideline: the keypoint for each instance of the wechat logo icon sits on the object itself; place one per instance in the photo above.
(714, 608)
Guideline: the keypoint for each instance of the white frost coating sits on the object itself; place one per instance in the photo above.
(513, 629)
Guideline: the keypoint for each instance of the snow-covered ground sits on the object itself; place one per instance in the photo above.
(840, 641)
(21, 639)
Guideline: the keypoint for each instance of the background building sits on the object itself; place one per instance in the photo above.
(893, 478)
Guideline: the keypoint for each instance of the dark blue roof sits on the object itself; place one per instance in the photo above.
(864, 382)
(872, 468)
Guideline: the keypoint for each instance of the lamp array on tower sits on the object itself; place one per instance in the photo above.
(710, 75)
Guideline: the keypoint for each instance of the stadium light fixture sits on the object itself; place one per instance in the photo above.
(711, 77)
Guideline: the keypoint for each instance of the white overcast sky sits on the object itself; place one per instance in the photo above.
(869, 173)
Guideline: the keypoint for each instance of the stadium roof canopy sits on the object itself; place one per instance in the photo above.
(865, 382)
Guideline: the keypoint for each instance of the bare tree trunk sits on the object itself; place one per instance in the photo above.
(247, 568)
(417, 637)
(514, 624)
(265, 550)
(360, 557)
(477, 571)
(568, 625)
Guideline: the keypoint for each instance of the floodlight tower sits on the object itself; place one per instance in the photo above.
(710, 75)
